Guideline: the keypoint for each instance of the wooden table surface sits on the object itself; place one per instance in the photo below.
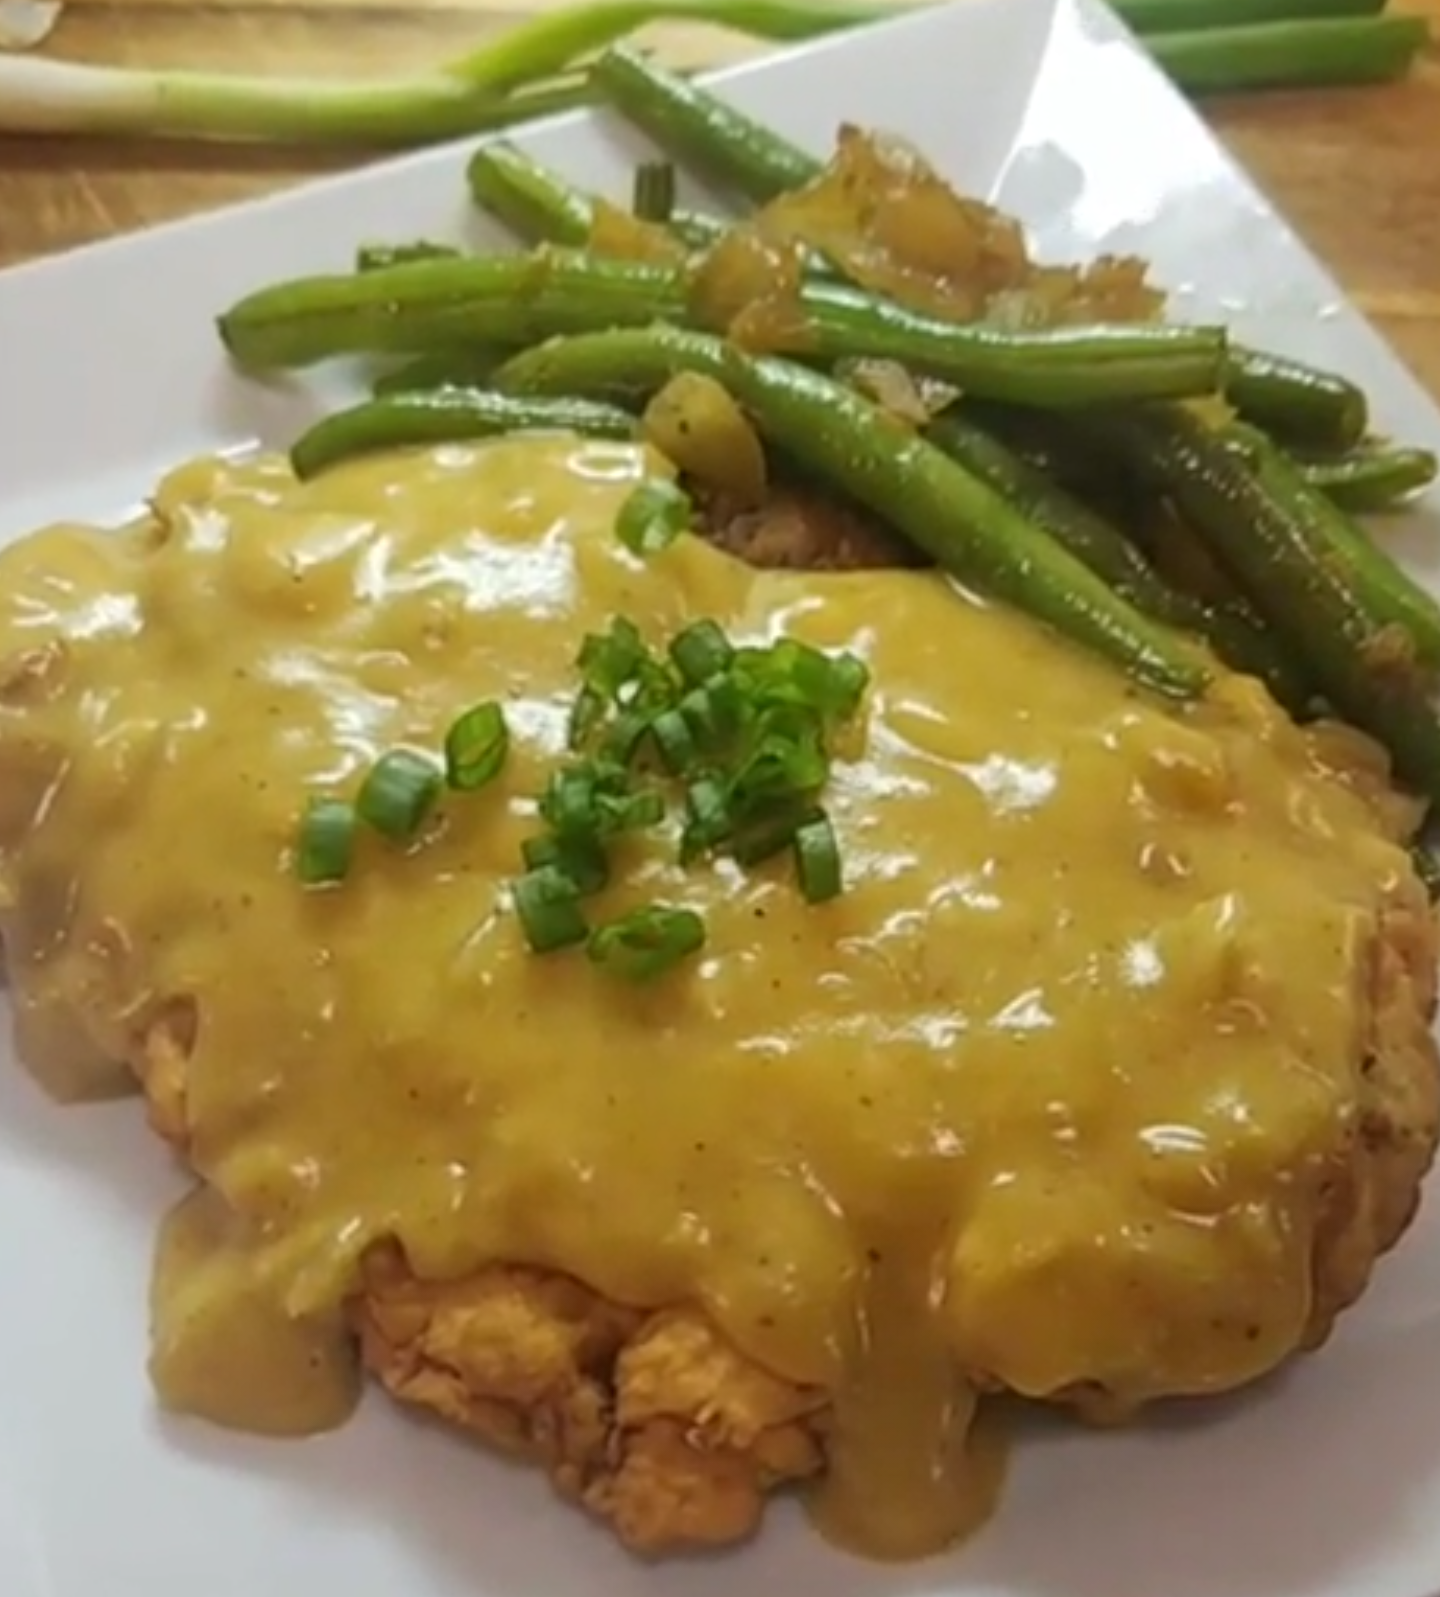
(1357, 171)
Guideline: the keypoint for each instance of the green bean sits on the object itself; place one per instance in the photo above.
(1047, 444)
(1274, 546)
(515, 298)
(443, 369)
(1066, 366)
(448, 415)
(1291, 55)
(530, 199)
(540, 206)
(1177, 16)
(998, 364)
(1385, 592)
(1376, 477)
(964, 525)
(430, 305)
(1299, 404)
(699, 128)
(1110, 555)
(1303, 404)
(1087, 536)
(618, 364)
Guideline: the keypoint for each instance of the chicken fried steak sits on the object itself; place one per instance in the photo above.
(1106, 1074)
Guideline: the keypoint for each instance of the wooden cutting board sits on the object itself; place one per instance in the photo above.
(1357, 171)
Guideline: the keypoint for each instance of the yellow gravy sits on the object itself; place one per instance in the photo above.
(1044, 1096)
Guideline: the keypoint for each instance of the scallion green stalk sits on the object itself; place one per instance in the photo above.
(529, 70)
(510, 78)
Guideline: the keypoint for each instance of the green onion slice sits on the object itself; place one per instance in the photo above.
(792, 672)
(582, 859)
(608, 660)
(653, 199)
(633, 812)
(700, 652)
(476, 747)
(708, 823)
(398, 793)
(817, 860)
(568, 804)
(783, 765)
(718, 711)
(548, 904)
(623, 735)
(327, 841)
(769, 833)
(675, 741)
(594, 799)
(647, 942)
(653, 517)
(587, 712)
(849, 678)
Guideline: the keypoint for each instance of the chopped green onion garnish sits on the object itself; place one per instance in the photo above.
(620, 676)
(700, 652)
(327, 841)
(594, 799)
(707, 810)
(608, 660)
(398, 793)
(475, 747)
(767, 835)
(569, 801)
(653, 517)
(817, 860)
(849, 677)
(782, 765)
(674, 740)
(548, 904)
(632, 813)
(811, 670)
(792, 672)
(585, 715)
(715, 710)
(745, 728)
(647, 942)
(622, 736)
(653, 199)
(582, 859)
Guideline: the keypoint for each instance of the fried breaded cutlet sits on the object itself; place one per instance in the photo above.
(658, 1424)
(1172, 1203)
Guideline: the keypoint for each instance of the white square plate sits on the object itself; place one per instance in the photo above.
(1327, 1482)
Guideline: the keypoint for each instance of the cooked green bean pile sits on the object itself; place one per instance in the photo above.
(1158, 494)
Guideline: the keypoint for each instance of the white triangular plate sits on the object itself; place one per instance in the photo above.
(1327, 1483)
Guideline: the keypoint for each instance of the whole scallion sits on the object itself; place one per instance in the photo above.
(530, 70)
